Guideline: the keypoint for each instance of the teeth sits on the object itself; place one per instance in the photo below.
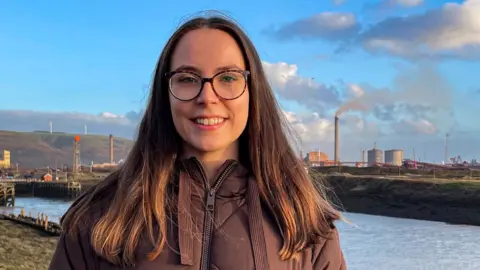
(209, 121)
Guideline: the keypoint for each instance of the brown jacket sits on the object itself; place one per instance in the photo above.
(241, 235)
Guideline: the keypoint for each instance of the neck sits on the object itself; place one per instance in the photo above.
(213, 160)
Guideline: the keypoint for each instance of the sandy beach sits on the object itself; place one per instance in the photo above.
(23, 248)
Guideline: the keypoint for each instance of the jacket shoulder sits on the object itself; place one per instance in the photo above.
(328, 254)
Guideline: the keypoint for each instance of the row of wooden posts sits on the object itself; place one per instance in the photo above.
(41, 222)
(41, 219)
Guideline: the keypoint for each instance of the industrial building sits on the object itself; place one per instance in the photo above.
(112, 163)
(374, 156)
(394, 157)
(317, 158)
(5, 161)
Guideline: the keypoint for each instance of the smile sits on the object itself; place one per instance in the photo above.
(209, 121)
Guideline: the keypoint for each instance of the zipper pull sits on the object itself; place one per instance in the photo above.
(210, 201)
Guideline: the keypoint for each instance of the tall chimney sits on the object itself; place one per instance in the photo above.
(110, 140)
(75, 161)
(336, 163)
(446, 148)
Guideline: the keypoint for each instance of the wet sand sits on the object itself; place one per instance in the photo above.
(24, 248)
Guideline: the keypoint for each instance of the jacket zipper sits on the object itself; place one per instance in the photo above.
(210, 210)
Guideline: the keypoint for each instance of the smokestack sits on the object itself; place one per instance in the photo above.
(76, 155)
(446, 148)
(336, 142)
(75, 146)
(110, 139)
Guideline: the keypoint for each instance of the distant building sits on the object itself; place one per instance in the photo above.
(374, 157)
(5, 161)
(47, 177)
(394, 157)
(317, 158)
(104, 165)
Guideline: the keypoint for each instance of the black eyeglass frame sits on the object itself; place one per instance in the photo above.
(170, 74)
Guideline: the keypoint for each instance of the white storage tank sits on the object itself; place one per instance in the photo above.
(374, 156)
(394, 157)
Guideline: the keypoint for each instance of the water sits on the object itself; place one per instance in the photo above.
(372, 242)
(394, 243)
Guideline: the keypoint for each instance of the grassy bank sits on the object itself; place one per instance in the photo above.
(446, 173)
(23, 248)
(446, 200)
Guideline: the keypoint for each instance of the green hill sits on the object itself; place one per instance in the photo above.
(40, 149)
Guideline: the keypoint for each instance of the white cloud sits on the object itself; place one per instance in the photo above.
(408, 3)
(450, 31)
(289, 85)
(331, 26)
(389, 4)
(409, 127)
(110, 115)
(410, 99)
(310, 127)
(355, 91)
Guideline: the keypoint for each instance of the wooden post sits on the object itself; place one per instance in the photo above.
(7, 194)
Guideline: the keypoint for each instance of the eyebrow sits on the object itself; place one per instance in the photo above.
(196, 70)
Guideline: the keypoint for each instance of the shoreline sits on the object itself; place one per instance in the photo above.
(451, 201)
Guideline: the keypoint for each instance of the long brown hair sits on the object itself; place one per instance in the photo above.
(138, 192)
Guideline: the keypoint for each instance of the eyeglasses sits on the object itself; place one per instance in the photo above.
(187, 85)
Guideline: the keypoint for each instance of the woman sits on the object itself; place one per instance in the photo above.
(211, 181)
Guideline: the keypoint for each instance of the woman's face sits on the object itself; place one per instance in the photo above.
(209, 123)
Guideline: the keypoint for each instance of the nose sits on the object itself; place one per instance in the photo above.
(207, 94)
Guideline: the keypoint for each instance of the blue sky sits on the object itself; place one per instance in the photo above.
(90, 57)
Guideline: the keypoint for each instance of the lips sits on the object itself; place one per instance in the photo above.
(209, 121)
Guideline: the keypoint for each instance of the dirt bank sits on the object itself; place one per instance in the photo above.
(24, 248)
(451, 201)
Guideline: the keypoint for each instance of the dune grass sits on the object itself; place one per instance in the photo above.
(23, 248)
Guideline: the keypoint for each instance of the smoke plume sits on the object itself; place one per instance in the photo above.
(418, 93)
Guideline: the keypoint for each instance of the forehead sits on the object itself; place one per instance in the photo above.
(207, 50)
